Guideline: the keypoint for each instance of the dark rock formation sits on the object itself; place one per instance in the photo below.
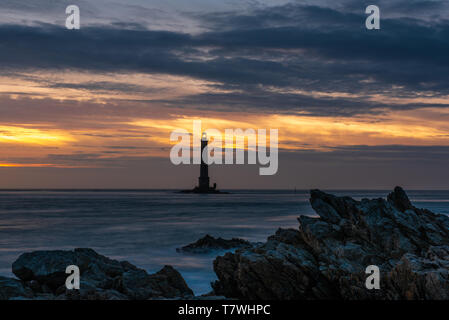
(208, 244)
(43, 277)
(327, 257)
(399, 199)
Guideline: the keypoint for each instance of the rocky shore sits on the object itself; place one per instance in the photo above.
(325, 258)
(42, 275)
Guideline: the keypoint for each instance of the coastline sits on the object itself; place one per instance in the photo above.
(397, 203)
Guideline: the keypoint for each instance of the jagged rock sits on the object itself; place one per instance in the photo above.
(14, 289)
(327, 256)
(167, 283)
(170, 283)
(399, 199)
(208, 244)
(101, 278)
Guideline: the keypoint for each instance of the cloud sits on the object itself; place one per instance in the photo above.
(308, 67)
(297, 46)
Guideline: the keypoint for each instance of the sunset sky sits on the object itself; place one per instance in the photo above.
(94, 108)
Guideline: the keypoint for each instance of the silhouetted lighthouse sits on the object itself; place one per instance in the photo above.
(203, 180)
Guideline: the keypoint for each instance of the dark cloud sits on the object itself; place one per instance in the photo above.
(311, 48)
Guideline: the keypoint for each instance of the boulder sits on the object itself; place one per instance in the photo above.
(101, 278)
(326, 257)
(209, 244)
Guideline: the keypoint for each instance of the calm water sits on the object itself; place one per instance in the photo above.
(145, 227)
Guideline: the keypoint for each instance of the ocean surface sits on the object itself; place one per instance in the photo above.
(146, 226)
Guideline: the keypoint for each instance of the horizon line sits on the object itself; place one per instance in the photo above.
(224, 189)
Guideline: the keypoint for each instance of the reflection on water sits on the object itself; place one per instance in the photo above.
(145, 227)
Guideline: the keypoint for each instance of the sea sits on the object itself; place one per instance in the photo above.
(145, 227)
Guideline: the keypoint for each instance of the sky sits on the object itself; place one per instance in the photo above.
(94, 108)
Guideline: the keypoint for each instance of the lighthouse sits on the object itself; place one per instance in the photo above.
(203, 180)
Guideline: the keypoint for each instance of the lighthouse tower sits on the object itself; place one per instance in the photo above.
(203, 180)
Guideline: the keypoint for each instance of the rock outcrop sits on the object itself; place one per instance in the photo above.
(327, 257)
(209, 244)
(42, 276)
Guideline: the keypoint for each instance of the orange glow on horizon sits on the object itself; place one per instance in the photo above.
(18, 134)
(37, 165)
(295, 131)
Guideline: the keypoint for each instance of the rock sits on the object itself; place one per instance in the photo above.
(399, 199)
(101, 278)
(170, 283)
(208, 244)
(167, 283)
(327, 256)
(425, 277)
(12, 289)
